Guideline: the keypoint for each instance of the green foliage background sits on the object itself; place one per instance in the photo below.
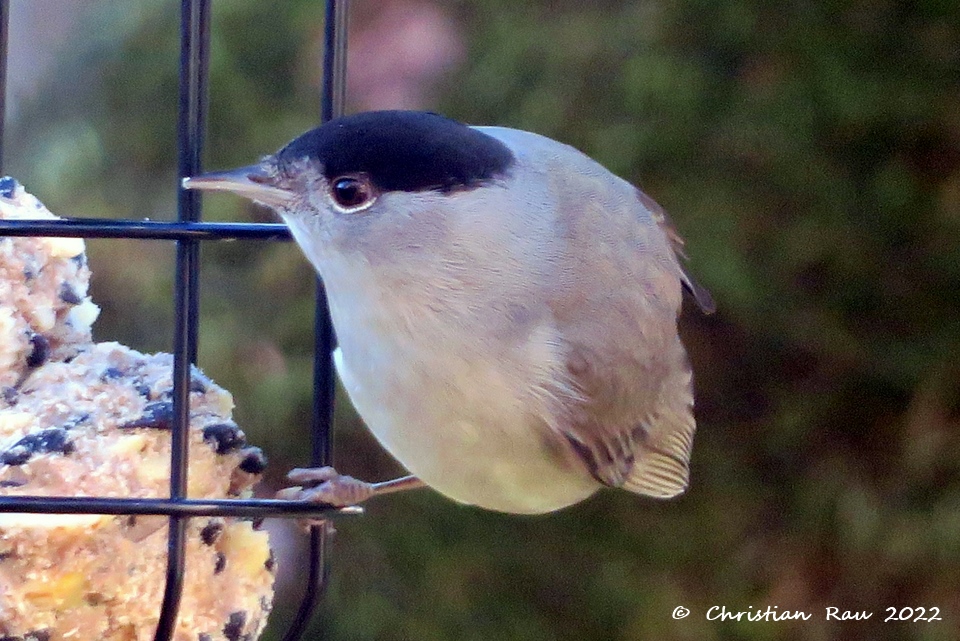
(809, 151)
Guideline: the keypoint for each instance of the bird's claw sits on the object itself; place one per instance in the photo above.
(325, 485)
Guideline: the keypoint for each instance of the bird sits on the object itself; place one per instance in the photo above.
(505, 309)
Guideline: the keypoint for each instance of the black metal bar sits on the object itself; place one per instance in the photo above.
(333, 91)
(169, 507)
(4, 47)
(194, 57)
(144, 229)
(332, 99)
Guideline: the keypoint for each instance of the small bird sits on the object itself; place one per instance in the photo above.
(505, 309)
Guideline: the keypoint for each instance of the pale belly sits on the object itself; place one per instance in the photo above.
(477, 447)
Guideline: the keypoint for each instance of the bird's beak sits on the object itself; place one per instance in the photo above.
(250, 182)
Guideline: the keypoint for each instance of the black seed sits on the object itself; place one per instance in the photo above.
(8, 186)
(41, 350)
(156, 415)
(16, 456)
(234, 626)
(69, 295)
(76, 420)
(220, 564)
(11, 395)
(131, 520)
(254, 461)
(37, 635)
(211, 532)
(111, 373)
(198, 381)
(52, 440)
(6, 555)
(12, 483)
(271, 563)
(203, 636)
(225, 437)
(94, 598)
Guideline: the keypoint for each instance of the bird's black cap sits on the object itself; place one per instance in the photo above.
(403, 151)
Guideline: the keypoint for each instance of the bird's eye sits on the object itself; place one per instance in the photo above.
(352, 193)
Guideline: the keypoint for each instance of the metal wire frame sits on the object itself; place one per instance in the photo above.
(188, 232)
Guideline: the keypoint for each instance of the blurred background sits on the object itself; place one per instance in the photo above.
(808, 150)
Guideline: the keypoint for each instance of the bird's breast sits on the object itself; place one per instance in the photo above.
(458, 412)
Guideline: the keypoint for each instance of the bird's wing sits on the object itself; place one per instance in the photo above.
(700, 294)
(641, 447)
(633, 424)
(662, 465)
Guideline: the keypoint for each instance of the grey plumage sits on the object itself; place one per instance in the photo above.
(512, 342)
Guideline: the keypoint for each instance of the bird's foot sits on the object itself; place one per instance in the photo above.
(326, 485)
